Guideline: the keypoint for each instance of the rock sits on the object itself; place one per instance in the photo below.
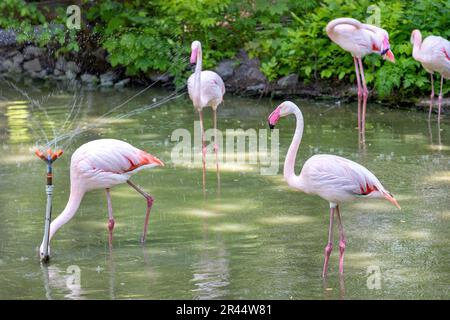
(32, 65)
(70, 75)
(89, 79)
(72, 66)
(259, 88)
(107, 79)
(11, 67)
(243, 57)
(11, 53)
(122, 83)
(7, 37)
(225, 69)
(57, 72)
(61, 63)
(247, 76)
(31, 52)
(289, 81)
(39, 75)
(18, 58)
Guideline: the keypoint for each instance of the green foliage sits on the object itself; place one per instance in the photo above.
(31, 25)
(288, 36)
(303, 47)
(155, 36)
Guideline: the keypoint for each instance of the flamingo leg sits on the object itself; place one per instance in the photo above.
(358, 81)
(203, 150)
(111, 221)
(329, 246)
(431, 96)
(149, 207)
(365, 95)
(440, 98)
(216, 146)
(342, 242)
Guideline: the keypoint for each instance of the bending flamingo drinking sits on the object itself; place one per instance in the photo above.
(206, 89)
(434, 55)
(333, 178)
(102, 164)
(360, 40)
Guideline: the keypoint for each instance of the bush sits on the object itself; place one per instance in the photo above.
(288, 36)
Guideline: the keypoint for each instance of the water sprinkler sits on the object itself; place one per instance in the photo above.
(48, 158)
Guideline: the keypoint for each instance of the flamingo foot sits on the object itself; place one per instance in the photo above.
(328, 249)
(341, 256)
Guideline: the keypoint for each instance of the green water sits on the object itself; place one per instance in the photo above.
(258, 240)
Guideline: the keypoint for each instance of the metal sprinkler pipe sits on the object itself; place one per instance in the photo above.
(49, 158)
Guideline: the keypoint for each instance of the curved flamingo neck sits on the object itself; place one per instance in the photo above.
(76, 195)
(417, 45)
(197, 78)
(332, 24)
(289, 162)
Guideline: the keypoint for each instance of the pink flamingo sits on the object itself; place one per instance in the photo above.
(434, 55)
(102, 164)
(206, 89)
(360, 40)
(333, 178)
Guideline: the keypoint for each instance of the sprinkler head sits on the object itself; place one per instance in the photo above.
(51, 156)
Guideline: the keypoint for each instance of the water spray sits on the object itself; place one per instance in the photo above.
(48, 159)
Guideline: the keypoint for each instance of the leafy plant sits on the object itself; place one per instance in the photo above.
(288, 36)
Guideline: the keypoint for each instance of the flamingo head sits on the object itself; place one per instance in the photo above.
(282, 110)
(195, 47)
(386, 52)
(42, 256)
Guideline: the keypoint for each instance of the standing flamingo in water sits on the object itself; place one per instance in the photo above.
(333, 178)
(206, 89)
(102, 164)
(434, 55)
(360, 40)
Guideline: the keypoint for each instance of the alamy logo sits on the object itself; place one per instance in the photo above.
(236, 147)
(373, 277)
(73, 17)
(375, 17)
(73, 281)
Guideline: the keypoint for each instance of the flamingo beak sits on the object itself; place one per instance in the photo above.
(392, 200)
(389, 56)
(273, 118)
(194, 56)
(157, 161)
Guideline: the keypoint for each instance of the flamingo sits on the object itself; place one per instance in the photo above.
(102, 164)
(360, 40)
(434, 55)
(332, 178)
(206, 89)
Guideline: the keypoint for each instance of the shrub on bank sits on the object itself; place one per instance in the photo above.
(287, 36)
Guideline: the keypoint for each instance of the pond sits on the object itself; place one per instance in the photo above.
(257, 239)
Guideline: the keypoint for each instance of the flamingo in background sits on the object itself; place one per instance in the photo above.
(102, 164)
(332, 178)
(434, 55)
(360, 40)
(206, 89)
